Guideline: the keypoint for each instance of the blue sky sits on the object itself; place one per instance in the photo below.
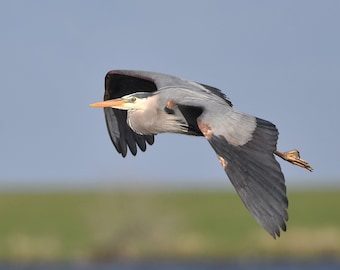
(278, 60)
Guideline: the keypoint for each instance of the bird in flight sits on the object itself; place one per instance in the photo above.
(140, 104)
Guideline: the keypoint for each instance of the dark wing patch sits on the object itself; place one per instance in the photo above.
(117, 84)
(218, 93)
(257, 176)
(190, 114)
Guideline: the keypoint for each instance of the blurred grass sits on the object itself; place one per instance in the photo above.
(172, 225)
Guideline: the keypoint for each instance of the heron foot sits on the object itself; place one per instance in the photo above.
(293, 156)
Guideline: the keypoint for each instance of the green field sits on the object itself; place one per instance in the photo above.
(80, 226)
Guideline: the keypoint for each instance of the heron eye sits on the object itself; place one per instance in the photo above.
(133, 99)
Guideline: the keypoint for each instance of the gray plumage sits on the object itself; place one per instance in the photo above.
(244, 144)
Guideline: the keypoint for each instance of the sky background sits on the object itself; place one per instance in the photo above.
(278, 60)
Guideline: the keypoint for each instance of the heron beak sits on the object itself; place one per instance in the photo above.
(113, 103)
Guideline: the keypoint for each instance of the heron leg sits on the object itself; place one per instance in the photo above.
(293, 156)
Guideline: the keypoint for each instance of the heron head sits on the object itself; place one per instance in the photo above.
(135, 101)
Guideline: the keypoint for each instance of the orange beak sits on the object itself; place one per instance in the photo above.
(112, 103)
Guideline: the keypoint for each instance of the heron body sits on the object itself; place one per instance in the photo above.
(140, 104)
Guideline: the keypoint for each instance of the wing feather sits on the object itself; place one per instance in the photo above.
(118, 84)
(253, 169)
(245, 144)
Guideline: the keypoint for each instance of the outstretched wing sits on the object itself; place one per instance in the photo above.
(118, 84)
(244, 145)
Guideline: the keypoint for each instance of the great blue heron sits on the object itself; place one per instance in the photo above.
(141, 104)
